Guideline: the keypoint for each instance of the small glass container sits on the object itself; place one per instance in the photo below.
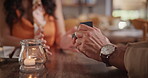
(36, 74)
(32, 56)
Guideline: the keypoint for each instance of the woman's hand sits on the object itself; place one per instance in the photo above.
(66, 41)
(39, 35)
(90, 41)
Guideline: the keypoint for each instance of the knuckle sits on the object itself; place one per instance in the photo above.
(98, 30)
(84, 41)
(81, 48)
(93, 30)
(89, 34)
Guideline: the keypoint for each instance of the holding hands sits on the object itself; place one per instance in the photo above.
(89, 41)
(67, 41)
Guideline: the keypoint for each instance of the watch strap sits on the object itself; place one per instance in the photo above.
(105, 59)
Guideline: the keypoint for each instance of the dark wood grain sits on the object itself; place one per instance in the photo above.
(64, 65)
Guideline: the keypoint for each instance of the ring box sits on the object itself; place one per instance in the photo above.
(89, 23)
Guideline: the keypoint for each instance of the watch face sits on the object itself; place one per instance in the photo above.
(108, 49)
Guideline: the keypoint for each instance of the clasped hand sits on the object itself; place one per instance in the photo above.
(89, 41)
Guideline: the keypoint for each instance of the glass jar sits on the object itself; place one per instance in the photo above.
(36, 74)
(32, 56)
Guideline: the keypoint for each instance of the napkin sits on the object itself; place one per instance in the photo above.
(7, 50)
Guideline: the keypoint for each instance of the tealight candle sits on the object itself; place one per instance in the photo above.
(29, 61)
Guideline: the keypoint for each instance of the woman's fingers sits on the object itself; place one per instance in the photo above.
(71, 30)
(48, 52)
(39, 36)
(47, 49)
(43, 41)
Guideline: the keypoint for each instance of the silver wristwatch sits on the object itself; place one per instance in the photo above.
(106, 51)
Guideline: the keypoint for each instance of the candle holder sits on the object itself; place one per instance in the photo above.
(36, 74)
(32, 56)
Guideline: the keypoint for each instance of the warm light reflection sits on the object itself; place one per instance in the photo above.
(29, 57)
(122, 25)
(33, 48)
(30, 76)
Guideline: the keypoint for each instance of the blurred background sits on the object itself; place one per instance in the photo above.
(126, 9)
(122, 21)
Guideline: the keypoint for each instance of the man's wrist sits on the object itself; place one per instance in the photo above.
(106, 52)
(113, 55)
(117, 58)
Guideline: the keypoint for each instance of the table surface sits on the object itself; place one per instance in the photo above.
(124, 36)
(63, 65)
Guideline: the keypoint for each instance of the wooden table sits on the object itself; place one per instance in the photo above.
(63, 65)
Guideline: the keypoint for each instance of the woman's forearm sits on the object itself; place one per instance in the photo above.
(10, 41)
(60, 26)
(117, 58)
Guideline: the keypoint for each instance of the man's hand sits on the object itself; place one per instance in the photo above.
(89, 41)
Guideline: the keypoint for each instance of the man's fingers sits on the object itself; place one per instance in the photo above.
(84, 27)
(80, 48)
(78, 42)
(79, 34)
(97, 29)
